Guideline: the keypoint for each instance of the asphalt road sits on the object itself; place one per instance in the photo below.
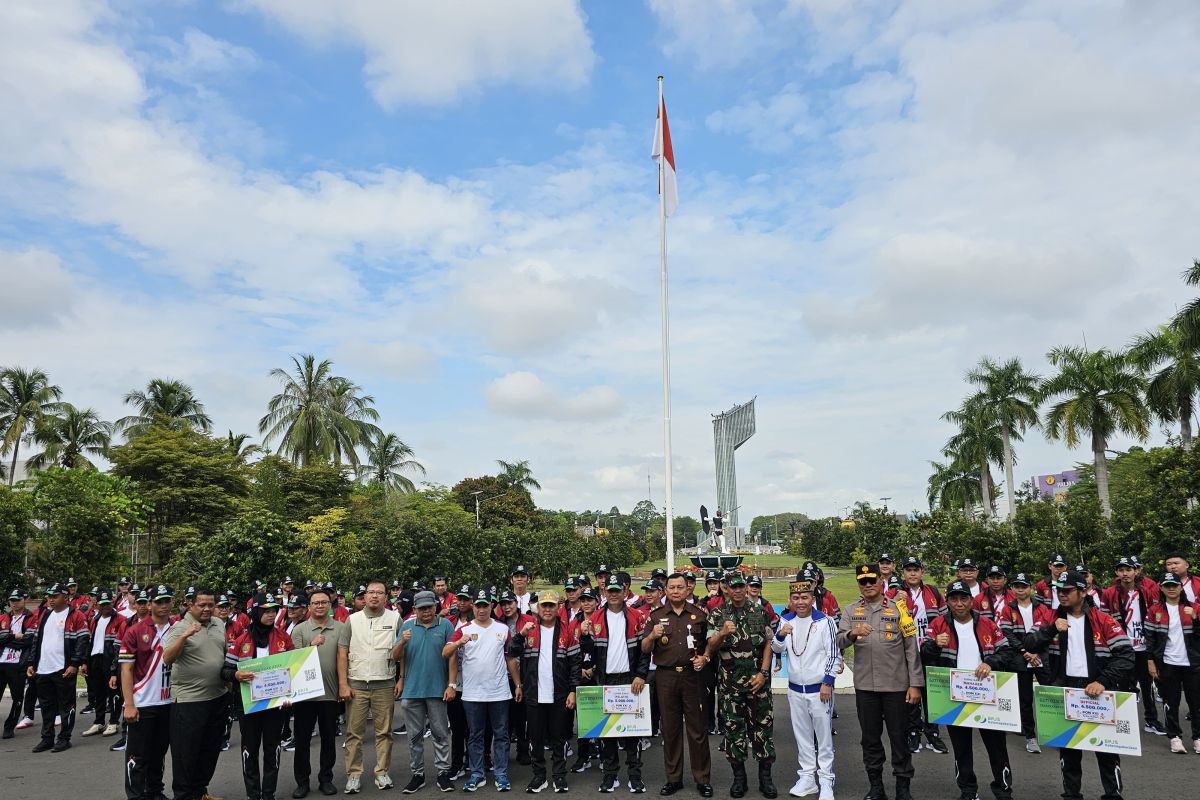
(89, 770)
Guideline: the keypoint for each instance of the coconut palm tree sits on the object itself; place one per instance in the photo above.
(979, 442)
(238, 448)
(1187, 321)
(1171, 392)
(388, 458)
(69, 436)
(1010, 394)
(165, 402)
(1094, 394)
(317, 417)
(954, 485)
(517, 475)
(26, 398)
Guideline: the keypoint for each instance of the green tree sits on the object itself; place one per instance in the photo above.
(165, 402)
(954, 486)
(68, 436)
(979, 442)
(83, 517)
(517, 474)
(240, 448)
(1010, 394)
(188, 480)
(388, 458)
(1173, 370)
(16, 528)
(26, 398)
(1094, 394)
(254, 545)
(499, 505)
(317, 416)
(1187, 321)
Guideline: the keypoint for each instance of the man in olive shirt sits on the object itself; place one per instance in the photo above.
(887, 675)
(321, 631)
(195, 650)
(676, 642)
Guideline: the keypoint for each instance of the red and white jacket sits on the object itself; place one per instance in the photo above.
(112, 633)
(1117, 602)
(12, 649)
(931, 598)
(993, 645)
(142, 648)
(76, 639)
(243, 649)
(991, 605)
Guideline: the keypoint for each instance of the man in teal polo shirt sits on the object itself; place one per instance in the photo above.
(425, 680)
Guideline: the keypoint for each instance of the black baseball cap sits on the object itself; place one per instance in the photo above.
(689, 576)
(569, 585)
(966, 563)
(1170, 578)
(224, 600)
(602, 570)
(614, 583)
(658, 572)
(466, 590)
(1125, 561)
(1020, 579)
(958, 587)
(911, 561)
(996, 569)
(507, 596)
(1072, 580)
(16, 594)
(755, 581)
(104, 597)
(886, 557)
(587, 594)
(712, 576)
(124, 580)
(162, 592)
(361, 591)
(1058, 560)
(519, 569)
(483, 598)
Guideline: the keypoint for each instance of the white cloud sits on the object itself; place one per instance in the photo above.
(37, 290)
(433, 53)
(199, 55)
(523, 394)
(771, 126)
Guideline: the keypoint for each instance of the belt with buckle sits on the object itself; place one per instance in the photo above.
(811, 688)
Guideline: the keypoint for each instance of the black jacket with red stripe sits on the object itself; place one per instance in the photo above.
(77, 642)
(994, 649)
(1110, 657)
(528, 651)
(596, 643)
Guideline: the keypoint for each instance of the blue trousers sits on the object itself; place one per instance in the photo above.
(481, 716)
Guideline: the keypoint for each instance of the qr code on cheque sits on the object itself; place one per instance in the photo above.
(1123, 726)
(1005, 705)
(310, 674)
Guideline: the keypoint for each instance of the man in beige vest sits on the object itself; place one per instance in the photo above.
(369, 684)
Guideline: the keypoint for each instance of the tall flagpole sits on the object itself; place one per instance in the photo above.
(666, 339)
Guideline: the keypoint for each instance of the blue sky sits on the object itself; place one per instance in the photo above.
(455, 203)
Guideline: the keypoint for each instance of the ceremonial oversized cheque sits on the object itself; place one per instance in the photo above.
(1069, 718)
(614, 711)
(285, 677)
(957, 697)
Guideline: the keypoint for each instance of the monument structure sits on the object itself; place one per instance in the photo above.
(731, 430)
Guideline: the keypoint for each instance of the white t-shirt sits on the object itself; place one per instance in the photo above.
(98, 636)
(523, 602)
(1026, 616)
(54, 643)
(1133, 621)
(920, 614)
(262, 652)
(618, 654)
(1054, 597)
(1188, 591)
(1176, 652)
(11, 655)
(546, 664)
(484, 664)
(968, 648)
(975, 589)
(1076, 647)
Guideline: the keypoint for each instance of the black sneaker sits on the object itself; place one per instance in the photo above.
(581, 764)
(417, 781)
(42, 746)
(60, 746)
(1155, 727)
(444, 782)
(636, 786)
(560, 785)
(118, 745)
(536, 785)
(936, 744)
(400, 730)
(609, 785)
(88, 709)
(914, 741)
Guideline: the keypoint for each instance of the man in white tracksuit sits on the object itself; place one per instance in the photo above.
(809, 638)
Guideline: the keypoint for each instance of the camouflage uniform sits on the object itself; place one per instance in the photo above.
(748, 723)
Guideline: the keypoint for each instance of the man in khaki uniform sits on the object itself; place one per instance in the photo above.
(887, 675)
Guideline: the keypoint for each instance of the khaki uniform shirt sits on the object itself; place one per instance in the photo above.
(196, 674)
(672, 649)
(887, 660)
(304, 634)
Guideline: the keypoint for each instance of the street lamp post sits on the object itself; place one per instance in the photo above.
(478, 525)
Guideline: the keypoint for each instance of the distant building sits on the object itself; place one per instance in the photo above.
(1054, 487)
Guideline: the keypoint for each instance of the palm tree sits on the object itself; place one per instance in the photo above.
(166, 402)
(979, 442)
(387, 459)
(317, 416)
(69, 436)
(1187, 321)
(1010, 393)
(26, 398)
(517, 475)
(1095, 394)
(239, 450)
(953, 485)
(1171, 393)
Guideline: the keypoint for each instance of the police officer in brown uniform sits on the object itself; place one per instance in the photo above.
(887, 675)
(676, 639)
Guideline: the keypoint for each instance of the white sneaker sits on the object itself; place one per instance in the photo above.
(25, 722)
(383, 782)
(826, 793)
(93, 730)
(1196, 745)
(111, 730)
(1176, 745)
(803, 788)
(1032, 746)
(353, 785)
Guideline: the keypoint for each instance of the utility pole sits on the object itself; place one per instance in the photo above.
(478, 525)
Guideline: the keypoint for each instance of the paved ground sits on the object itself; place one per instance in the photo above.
(90, 772)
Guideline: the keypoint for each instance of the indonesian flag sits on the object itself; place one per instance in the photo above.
(664, 154)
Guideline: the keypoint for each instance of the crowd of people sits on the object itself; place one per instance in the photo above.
(482, 670)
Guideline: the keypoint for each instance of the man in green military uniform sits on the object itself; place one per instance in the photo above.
(740, 634)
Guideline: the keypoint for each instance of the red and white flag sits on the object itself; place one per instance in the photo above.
(664, 154)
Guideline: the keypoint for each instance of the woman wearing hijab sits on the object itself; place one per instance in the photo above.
(262, 729)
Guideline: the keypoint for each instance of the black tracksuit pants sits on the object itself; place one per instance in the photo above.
(12, 678)
(610, 759)
(877, 711)
(56, 695)
(262, 730)
(458, 733)
(964, 761)
(549, 724)
(306, 716)
(146, 752)
(196, 738)
(1175, 682)
(1071, 762)
(1141, 683)
(918, 718)
(99, 695)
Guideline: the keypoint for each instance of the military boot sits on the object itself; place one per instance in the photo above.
(738, 787)
(765, 784)
(903, 788)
